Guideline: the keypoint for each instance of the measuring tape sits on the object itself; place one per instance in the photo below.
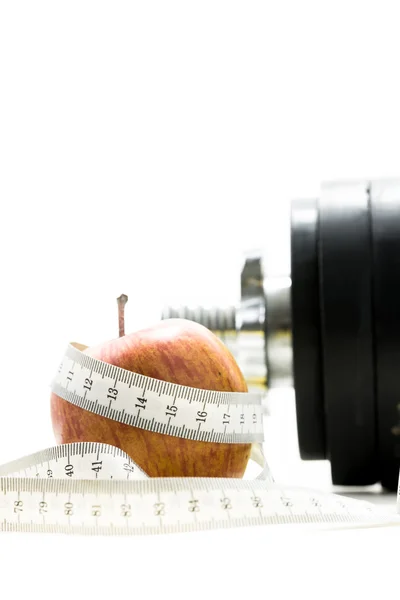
(155, 405)
(95, 488)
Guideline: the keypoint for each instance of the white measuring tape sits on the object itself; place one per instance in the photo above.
(155, 405)
(94, 488)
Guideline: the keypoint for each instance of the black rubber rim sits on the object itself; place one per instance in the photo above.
(385, 211)
(345, 264)
(307, 365)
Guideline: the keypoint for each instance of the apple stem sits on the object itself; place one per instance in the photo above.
(122, 300)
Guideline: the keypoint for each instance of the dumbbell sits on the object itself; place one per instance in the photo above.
(330, 328)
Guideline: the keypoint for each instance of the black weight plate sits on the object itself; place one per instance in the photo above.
(385, 210)
(307, 360)
(346, 323)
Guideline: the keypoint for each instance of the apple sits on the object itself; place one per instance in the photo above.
(173, 350)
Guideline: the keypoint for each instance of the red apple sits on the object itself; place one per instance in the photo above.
(174, 350)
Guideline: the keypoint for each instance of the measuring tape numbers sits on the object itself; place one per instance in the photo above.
(158, 406)
(95, 488)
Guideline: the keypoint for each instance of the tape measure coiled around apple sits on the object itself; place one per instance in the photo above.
(159, 406)
(94, 488)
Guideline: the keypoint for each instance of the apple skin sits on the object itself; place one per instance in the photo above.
(177, 351)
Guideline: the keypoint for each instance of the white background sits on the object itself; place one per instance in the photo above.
(143, 147)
